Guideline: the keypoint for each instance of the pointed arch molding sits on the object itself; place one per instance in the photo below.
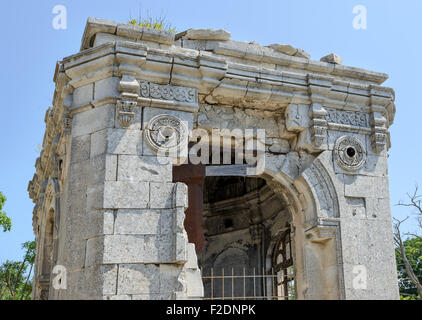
(318, 178)
(322, 222)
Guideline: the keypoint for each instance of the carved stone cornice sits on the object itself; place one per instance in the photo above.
(221, 80)
(95, 25)
(58, 123)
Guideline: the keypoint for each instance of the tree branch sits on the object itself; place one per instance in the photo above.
(413, 235)
(18, 277)
(402, 248)
(26, 283)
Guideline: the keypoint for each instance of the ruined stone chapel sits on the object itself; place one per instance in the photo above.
(125, 212)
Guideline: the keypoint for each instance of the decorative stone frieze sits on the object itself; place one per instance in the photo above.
(350, 118)
(170, 96)
(167, 92)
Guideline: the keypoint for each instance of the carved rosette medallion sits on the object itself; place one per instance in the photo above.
(349, 153)
(166, 134)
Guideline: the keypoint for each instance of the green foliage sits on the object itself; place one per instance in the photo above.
(158, 23)
(30, 247)
(414, 255)
(410, 297)
(15, 278)
(5, 221)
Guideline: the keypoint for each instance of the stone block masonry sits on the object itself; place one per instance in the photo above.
(107, 206)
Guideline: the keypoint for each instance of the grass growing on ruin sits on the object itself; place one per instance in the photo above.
(158, 23)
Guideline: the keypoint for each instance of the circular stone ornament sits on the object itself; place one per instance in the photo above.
(349, 153)
(166, 134)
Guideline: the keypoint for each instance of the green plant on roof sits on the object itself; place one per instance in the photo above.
(158, 23)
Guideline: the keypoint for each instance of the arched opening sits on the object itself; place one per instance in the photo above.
(260, 237)
(244, 220)
(283, 266)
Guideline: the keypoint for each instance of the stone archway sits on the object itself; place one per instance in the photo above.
(307, 206)
(315, 236)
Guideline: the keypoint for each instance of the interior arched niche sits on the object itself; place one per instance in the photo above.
(243, 216)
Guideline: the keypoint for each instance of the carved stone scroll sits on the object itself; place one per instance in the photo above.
(318, 125)
(128, 86)
(379, 132)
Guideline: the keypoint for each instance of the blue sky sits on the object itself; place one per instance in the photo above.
(31, 46)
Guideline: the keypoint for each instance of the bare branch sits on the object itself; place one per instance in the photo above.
(415, 201)
(413, 235)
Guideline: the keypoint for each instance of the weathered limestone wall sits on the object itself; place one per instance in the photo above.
(106, 207)
(124, 219)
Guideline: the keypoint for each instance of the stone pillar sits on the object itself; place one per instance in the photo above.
(194, 177)
(348, 250)
(125, 236)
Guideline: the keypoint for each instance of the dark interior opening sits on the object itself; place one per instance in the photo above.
(243, 219)
(351, 152)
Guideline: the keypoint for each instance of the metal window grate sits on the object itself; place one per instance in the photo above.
(255, 286)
